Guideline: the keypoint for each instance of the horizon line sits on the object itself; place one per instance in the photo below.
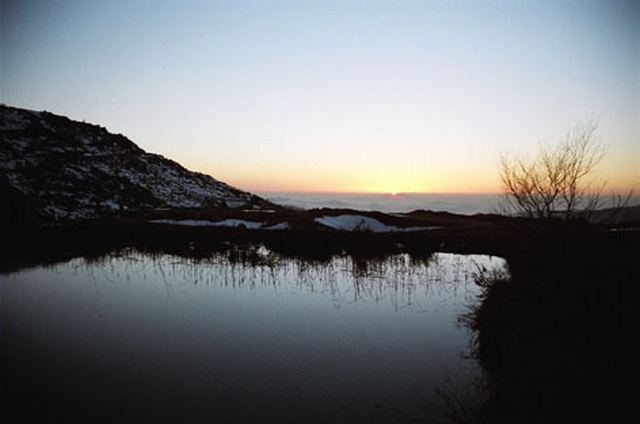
(373, 192)
(611, 192)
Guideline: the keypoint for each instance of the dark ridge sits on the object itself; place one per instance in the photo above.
(68, 170)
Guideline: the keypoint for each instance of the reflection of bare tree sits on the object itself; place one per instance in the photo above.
(404, 281)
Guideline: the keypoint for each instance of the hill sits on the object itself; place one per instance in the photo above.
(53, 168)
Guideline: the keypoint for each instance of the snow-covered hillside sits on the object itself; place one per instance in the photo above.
(63, 169)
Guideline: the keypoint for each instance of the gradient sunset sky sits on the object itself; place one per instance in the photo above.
(374, 96)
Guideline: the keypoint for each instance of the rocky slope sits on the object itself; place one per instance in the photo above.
(53, 168)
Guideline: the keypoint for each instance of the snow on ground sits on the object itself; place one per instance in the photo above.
(238, 223)
(60, 154)
(186, 222)
(226, 223)
(341, 222)
(362, 223)
(236, 204)
(280, 226)
(205, 223)
(111, 205)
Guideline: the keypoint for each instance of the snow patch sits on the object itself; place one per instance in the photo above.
(235, 204)
(56, 212)
(204, 223)
(111, 204)
(363, 223)
(281, 226)
(238, 223)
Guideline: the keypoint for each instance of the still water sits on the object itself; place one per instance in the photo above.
(238, 338)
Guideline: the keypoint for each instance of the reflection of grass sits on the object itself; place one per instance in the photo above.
(398, 280)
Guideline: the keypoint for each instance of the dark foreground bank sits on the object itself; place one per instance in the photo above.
(553, 338)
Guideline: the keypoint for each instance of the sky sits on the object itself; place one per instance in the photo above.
(336, 96)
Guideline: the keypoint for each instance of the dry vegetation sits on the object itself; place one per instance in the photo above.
(557, 183)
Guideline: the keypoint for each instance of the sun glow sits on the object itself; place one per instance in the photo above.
(391, 176)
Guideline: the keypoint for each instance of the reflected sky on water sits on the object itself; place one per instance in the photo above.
(243, 336)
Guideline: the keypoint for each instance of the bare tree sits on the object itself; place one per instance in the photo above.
(554, 183)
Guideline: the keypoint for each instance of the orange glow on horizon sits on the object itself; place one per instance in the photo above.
(388, 188)
(393, 180)
(392, 187)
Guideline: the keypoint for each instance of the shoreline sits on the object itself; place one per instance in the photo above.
(32, 243)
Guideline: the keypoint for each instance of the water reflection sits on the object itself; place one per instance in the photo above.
(401, 280)
(241, 336)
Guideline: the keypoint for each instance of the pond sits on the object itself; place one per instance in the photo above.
(242, 336)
